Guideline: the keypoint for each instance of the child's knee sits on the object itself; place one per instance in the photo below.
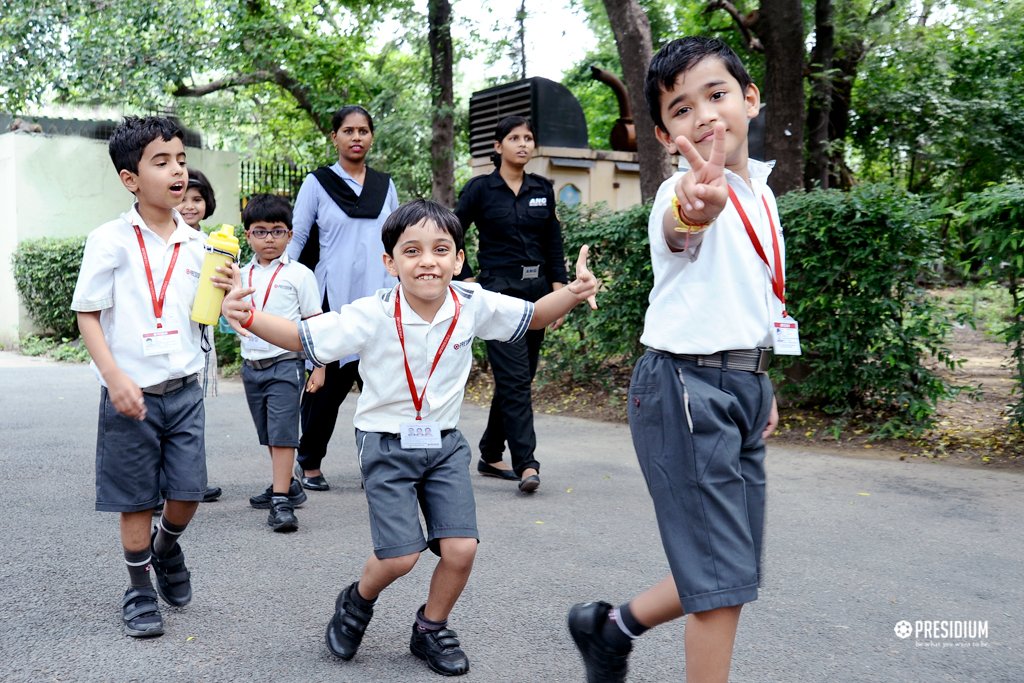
(459, 552)
(399, 566)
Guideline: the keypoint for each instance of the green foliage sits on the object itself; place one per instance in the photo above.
(592, 344)
(995, 253)
(868, 329)
(59, 348)
(45, 273)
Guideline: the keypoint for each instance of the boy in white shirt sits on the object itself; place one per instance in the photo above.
(700, 401)
(272, 376)
(134, 297)
(414, 343)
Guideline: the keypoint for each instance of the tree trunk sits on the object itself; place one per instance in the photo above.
(779, 26)
(818, 172)
(845, 66)
(442, 103)
(633, 40)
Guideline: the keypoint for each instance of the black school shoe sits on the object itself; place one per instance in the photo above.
(140, 613)
(173, 579)
(346, 628)
(282, 515)
(604, 664)
(296, 496)
(440, 650)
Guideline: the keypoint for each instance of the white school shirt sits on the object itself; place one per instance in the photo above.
(293, 296)
(351, 264)
(718, 296)
(113, 281)
(367, 327)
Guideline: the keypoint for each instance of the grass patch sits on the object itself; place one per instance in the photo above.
(58, 348)
(985, 308)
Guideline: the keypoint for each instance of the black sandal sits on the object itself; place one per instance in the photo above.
(173, 579)
(138, 607)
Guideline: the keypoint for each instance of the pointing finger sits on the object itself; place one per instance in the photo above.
(581, 261)
(687, 149)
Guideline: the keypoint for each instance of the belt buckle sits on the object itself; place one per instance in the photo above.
(764, 360)
(531, 272)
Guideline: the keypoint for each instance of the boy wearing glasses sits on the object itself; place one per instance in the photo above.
(273, 377)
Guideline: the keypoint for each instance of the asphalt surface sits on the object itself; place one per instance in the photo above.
(853, 547)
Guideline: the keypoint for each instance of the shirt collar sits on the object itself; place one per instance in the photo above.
(446, 312)
(283, 259)
(183, 232)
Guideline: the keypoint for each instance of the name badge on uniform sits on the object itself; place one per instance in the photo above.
(538, 201)
(420, 434)
(160, 342)
(254, 343)
(786, 336)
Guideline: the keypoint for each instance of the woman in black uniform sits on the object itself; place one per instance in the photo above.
(520, 254)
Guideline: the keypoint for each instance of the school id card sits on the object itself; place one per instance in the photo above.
(420, 434)
(786, 336)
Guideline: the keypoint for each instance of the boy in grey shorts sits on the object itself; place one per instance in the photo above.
(414, 343)
(700, 403)
(273, 376)
(133, 297)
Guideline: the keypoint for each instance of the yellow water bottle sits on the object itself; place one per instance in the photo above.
(221, 250)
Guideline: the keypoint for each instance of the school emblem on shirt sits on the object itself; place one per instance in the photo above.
(538, 201)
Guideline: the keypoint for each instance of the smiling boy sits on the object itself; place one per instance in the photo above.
(134, 295)
(415, 351)
(700, 401)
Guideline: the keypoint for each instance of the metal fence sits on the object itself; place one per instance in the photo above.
(273, 178)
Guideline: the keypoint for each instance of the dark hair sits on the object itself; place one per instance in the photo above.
(681, 55)
(267, 208)
(131, 136)
(342, 114)
(413, 212)
(197, 180)
(504, 127)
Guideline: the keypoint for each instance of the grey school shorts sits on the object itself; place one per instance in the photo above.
(130, 455)
(273, 395)
(399, 483)
(697, 435)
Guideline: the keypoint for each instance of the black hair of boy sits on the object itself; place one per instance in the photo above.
(267, 208)
(198, 180)
(130, 137)
(506, 126)
(340, 116)
(413, 212)
(678, 57)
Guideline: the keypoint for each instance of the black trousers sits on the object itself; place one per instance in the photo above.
(319, 412)
(514, 365)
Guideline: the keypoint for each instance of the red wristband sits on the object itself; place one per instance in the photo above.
(252, 316)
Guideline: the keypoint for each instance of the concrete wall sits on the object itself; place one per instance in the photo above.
(64, 186)
(598, 175)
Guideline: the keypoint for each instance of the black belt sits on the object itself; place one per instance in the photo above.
(749, 360)
(521, 272)
(170, 385)
(267, 362)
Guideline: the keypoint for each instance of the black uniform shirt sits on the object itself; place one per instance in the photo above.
(514, 230)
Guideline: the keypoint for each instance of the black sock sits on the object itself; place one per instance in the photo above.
(359, 599)
(424, 625)
(621, 628)
(138, 567)
(167, 534)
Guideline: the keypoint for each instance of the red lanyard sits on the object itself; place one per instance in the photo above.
(158, 304)
(417, 399)
(269, 284)
(778, 277)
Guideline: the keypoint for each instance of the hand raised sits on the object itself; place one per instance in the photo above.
(585, 284)
(703, 190)
(236, 307)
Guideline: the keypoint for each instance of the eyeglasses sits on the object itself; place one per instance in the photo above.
(260, 233)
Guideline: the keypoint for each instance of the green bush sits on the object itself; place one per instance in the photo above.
(45, 273)
(994, 218)
(867, 326)
(596, 346)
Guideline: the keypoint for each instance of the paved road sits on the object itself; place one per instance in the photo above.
(854, 546)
